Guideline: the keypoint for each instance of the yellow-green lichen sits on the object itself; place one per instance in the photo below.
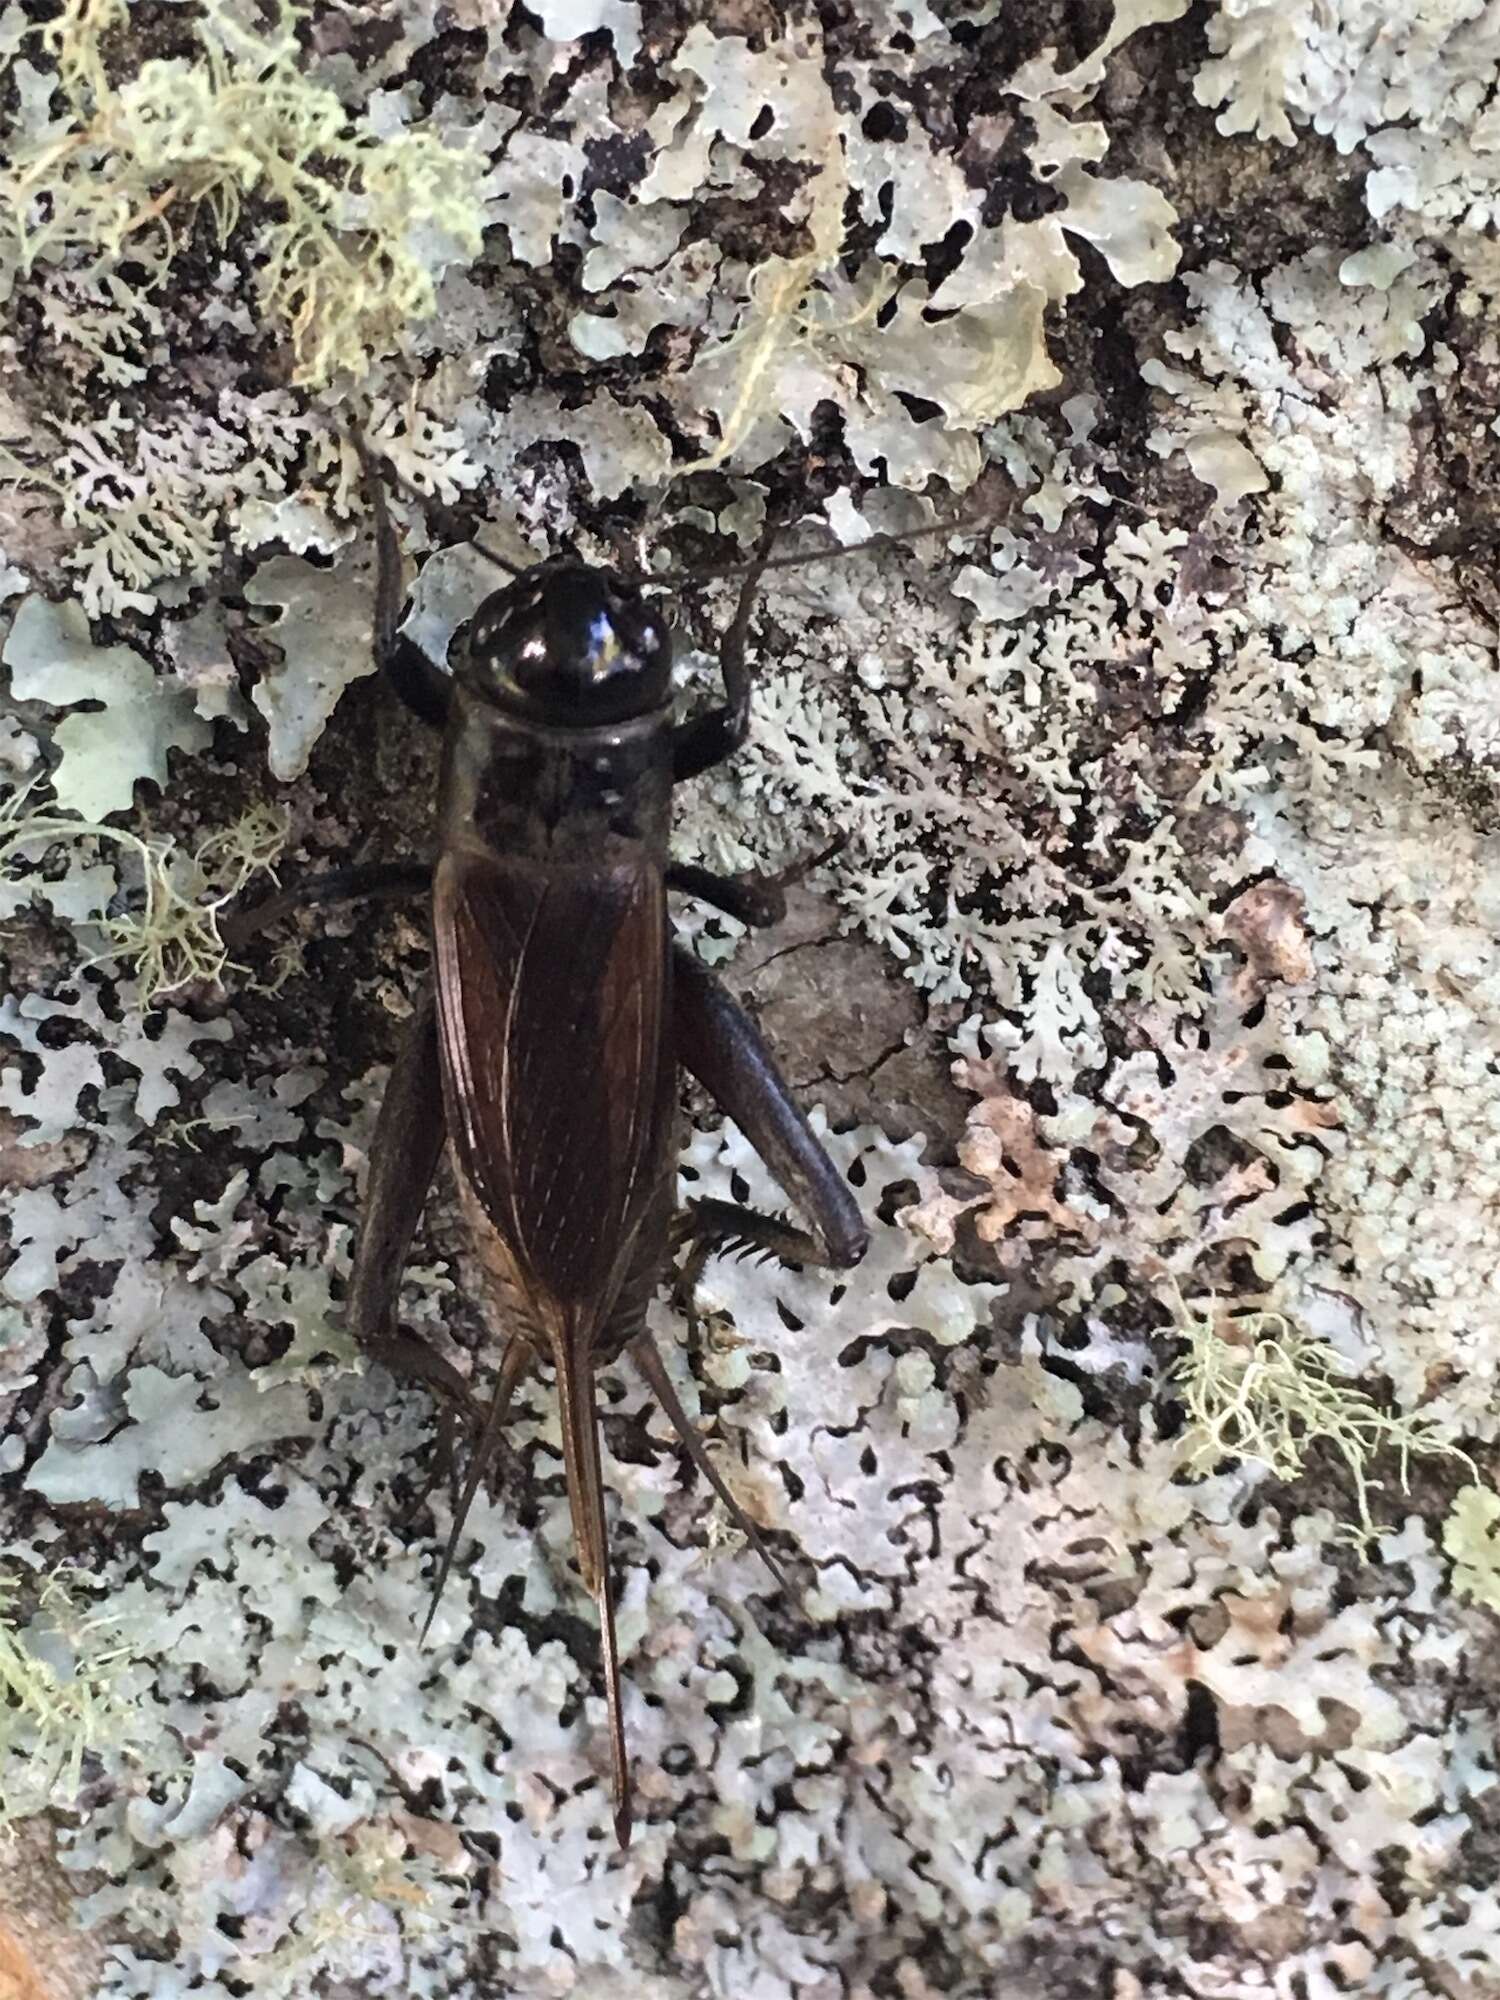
(340, 221)
(172, 939)
(55, 1710)
(1469, 1542)
(1266, 1391)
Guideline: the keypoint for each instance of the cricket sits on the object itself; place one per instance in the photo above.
(546, 1052)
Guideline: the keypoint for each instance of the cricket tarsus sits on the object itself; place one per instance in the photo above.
(513, 1366)
(643, 1352)
(546, 1056)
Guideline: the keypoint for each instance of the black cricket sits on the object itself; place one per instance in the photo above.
(546, 1049)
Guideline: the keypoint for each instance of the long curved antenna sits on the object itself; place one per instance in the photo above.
(383, 881)
(388, 599)
(388, 580)
(872, 545)
(421, 683)
(501, 562)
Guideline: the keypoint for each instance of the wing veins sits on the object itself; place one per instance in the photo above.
(583, 1102)
(507, 1045)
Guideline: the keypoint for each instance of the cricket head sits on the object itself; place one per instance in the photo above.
(569, 646)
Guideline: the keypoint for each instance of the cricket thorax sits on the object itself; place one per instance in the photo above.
(554, 793)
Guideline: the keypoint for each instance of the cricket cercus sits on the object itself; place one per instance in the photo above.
(546, 1049)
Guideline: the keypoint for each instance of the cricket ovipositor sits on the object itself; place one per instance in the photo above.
(546, 1049)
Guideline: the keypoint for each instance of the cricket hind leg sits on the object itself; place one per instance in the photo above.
(705, 1229)
(719, 1043)
(722, 1047)
(708, 1228)
(514, 1364)
(409, 1136)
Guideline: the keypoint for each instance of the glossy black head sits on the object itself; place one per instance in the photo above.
(569, 646)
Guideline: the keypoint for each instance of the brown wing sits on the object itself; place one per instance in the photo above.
(551, 1014)
(551, 988)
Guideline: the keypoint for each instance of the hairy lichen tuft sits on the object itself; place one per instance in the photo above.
(55, 1711)
(346, 227)
(1269, 1392)
(172, 939)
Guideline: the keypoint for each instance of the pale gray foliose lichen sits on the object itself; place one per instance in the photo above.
(1169, 775)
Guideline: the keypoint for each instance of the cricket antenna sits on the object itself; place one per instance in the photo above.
(872, 545)
(376, 490)
(501, 562)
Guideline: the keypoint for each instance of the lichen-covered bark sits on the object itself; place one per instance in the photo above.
(1137, 1489)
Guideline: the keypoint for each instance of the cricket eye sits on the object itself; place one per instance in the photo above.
(569, 646)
